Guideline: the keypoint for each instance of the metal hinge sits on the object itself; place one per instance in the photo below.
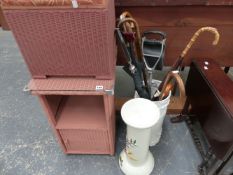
(26, 89)
(107, 91)
(110, 92)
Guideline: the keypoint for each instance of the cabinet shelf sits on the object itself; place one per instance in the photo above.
(81, 112)
(82, 118)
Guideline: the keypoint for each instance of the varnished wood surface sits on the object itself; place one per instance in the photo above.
(209, 92)
(219, 82)
(171, 2)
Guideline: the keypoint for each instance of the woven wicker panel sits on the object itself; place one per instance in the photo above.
(85, 123)
(67, 42)
(23, 3)
(86, 141)
(69, 84)
(159, 2)
(112, 127)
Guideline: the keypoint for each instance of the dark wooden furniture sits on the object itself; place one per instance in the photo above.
(170, 3)
(179, 19)
(210, 99)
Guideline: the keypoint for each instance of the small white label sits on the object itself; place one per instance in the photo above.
(205, 67)
(74, 3)
(99, 88)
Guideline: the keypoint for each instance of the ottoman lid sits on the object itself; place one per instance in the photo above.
(140, 113)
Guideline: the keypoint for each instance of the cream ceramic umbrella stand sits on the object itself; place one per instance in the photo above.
(162, 105)
(139, 115)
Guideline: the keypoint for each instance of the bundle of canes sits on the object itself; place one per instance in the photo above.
(131, 28)
(126, 25)
(130, 25)
(179, 62)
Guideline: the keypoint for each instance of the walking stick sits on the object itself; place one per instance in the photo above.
(128, 25)
(124, 15)
(213, 30)
(178, 63)
(173, 75)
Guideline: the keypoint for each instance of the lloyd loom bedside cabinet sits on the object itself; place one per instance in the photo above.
(80, 111)
(71, 55)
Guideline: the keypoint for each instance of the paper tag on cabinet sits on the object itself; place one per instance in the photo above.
(75, 3)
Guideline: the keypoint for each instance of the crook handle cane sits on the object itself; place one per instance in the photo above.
(196, 35)
(123, 16)
(173, 75)
(129, 23)
(133, 23)
(179, 61)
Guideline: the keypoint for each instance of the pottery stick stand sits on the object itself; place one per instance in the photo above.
(139, 115)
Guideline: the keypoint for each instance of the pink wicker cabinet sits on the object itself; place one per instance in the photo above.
(71, 55)
(82, 120)
(63, 41)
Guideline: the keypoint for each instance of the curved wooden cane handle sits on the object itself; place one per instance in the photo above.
(126, 14)
(126, 25)
(178, 79)
(196, 35)
(138, 35)
(129, 24)
(130, 20)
